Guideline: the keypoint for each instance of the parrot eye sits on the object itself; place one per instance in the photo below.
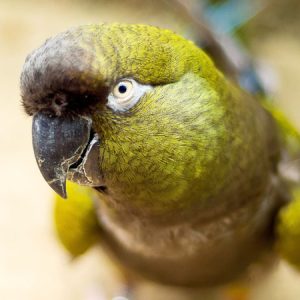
(123, 90)
(125, 94)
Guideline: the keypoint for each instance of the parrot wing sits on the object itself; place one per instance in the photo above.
(75, 219)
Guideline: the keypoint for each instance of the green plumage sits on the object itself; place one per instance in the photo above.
(288, 231)
(193, 127)
(75, 220)
(190, 171)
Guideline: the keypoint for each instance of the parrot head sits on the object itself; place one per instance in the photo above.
(137, 112)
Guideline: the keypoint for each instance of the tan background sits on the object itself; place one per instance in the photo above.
(32, 264)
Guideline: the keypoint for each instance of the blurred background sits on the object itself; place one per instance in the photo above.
(33, 266)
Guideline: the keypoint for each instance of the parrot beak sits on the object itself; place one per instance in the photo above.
(66, 148)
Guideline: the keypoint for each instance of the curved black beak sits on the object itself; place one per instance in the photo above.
(61, 144)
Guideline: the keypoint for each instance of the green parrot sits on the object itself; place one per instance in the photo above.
(173, 168)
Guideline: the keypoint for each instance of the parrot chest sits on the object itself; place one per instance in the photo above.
(192, 252)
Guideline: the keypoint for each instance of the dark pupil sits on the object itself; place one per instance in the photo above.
(122, 89)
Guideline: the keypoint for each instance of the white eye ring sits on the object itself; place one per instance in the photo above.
(125, 94)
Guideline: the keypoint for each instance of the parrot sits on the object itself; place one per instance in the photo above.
(172, 167)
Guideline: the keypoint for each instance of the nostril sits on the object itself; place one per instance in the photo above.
(58, 103)
(60, 100)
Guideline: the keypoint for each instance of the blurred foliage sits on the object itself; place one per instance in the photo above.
(277, 15)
